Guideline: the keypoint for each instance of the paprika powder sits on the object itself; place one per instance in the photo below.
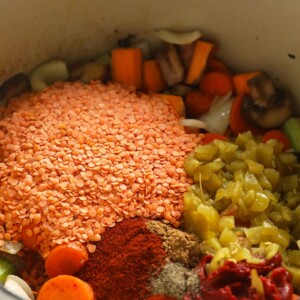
(125, 259)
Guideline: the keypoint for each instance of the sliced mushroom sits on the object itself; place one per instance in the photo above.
(186, 53)
(13, 87)
(266, 106)
(170, 65)
(88, 71)
(180, 89)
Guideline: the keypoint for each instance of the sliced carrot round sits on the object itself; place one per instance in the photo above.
(65, 287)
(214, 64)
(210, 137)
(65, 259)
(216, 83)
(279, 136)
(197, 103)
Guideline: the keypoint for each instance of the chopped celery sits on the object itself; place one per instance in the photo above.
(291, 128)
(6, 268)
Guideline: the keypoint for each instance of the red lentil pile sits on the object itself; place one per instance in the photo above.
(76, 159)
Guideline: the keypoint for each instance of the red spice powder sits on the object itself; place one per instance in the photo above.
(124, 261)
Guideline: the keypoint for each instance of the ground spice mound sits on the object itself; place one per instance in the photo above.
(182, 247)
(76, 159)
(132, 261)
(122, 265)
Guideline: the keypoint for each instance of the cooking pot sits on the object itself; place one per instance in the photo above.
(252, 35)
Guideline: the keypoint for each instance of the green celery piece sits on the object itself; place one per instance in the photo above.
(291, 128)
(6, 268)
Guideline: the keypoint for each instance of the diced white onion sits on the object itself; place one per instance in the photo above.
(178, 38)
(192, 123)
(16, 289)
(23, 284)
(11, 247)
(217, 118)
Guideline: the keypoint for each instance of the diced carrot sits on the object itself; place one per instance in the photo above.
(65, 259)
(217, 65)
(64, 287)
(210, 137)
(240, 82)
(29, 237)
(216, 83)
(295, 297)
(126, 66)
(175, 101)
(152, 77)
(237, 122)
(197, 103)
(279, 136)
(199, 60)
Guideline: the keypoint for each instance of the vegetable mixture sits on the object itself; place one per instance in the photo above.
(92, 153)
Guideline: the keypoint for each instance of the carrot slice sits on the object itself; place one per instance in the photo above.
(65, 259)
(210, 137)
(237, 123)
(240, 82)
(217, 65)
(152, 77)
(65, 287)
(295, 297)
(216, 83)
(29, 237)
(279, 136)
(199, 60)
(197, 103)
(175, 101)
(126, 66)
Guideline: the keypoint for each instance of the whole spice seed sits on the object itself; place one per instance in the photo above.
(124, 261)
(77, 148)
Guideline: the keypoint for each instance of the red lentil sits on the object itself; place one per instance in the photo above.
(78, 156)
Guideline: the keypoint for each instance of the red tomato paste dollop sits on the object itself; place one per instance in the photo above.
(232, 281)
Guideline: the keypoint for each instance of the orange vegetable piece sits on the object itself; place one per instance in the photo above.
(126, 64)
(295, 297)
(216, 83)
(237, 123)
(65, 287)
(152, 77)
(217, 65)
(210, 137)
(199, 60)
(176, 102)
(198, 103)
(240, 82)
(65, 259)
(29, 237)
(279, 136)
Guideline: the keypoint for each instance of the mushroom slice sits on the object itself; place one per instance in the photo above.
(13, 87)
(181, 89)
(170, 65)
(88, 71)
(186, 53)
(266, 106)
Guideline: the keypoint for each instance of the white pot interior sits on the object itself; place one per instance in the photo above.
(251, 34)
